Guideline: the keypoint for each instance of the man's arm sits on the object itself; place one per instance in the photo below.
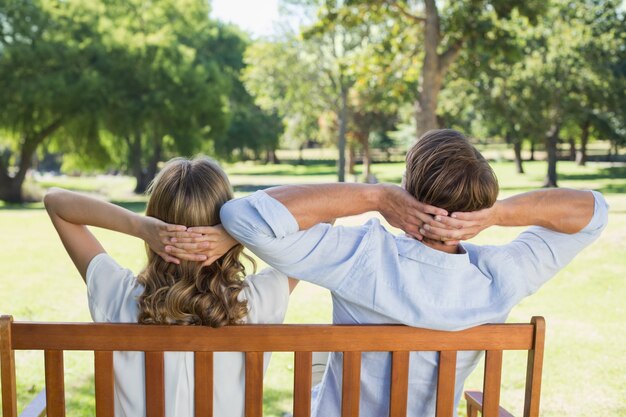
(283, 226)
(560, 210)
(313, 204)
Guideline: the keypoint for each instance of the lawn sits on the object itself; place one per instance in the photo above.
(585, 362)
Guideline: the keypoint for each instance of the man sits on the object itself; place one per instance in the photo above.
(377, 277)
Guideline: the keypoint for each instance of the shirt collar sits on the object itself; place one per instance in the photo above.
(414, 249)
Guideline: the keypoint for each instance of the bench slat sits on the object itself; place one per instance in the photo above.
(351, 385)
(534, 369)
(267, 338)
(203, 386)
(104, 382)
(7, 368)
(303, 364)
(55, 383)
(155, 389)
(254, 384)
(491, 383)
(399, 384)
(445, 384)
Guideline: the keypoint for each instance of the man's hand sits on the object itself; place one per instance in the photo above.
(460, 225)
(158, 234)
(403, 211)
(211, 242)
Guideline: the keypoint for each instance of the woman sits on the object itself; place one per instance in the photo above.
(205, 288)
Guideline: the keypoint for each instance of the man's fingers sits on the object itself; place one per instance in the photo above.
(427, 208)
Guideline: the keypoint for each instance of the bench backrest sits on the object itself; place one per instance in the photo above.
(253, 340)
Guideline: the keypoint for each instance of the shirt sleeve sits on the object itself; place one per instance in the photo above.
(268, 296)
(323, 254)
(111, 291)
(539, 253)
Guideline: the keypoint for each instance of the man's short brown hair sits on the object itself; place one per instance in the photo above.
(443, 169)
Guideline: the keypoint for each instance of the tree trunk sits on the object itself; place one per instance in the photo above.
(552, 139)
(11, 187)
(430, 78)
(367, 158)
(301, 155)
(434, 68)
(517, 149)
(572, 149)
(153, 164)
(271, 158)
(343, 122)
(351, 159)
(532, 150)
(581, 155)
(135, 163)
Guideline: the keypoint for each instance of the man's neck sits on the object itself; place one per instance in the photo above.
(435, 244)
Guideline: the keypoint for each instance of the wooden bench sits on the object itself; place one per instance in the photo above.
(253, 340)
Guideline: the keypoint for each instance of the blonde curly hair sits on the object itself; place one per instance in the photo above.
(191, 193)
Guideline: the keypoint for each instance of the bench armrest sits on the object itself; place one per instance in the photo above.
(37, 407)
(475, 404)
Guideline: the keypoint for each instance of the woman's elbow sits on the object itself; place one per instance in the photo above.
(50, 200)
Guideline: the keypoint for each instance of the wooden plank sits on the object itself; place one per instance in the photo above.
(351, 384)
(399, 384)
(475, 402)
(55, 383)
(203, 395)
(491, 383)
(266, 338)
(303, 364)
(534, 369)
(104, 384)
(445, 384)
(155, 389)
(254, 384)
(7, 368)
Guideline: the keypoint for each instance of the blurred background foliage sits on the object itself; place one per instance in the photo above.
(121, 86)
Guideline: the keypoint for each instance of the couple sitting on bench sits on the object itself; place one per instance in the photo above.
(195, 233)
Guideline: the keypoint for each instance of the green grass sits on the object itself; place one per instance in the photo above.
(585, 348)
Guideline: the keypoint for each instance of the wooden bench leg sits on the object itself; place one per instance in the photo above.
(471, 410)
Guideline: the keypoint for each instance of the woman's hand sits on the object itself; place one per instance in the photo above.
(211, 242)
(158, 234)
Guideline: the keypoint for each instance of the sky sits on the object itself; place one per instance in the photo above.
(254, 16)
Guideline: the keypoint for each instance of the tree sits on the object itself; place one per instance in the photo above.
(250, 127)
(45, 79)
(443, 32)
(165, 88)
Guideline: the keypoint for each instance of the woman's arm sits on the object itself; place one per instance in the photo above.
(71, 212)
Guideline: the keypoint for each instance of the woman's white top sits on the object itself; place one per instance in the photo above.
(113, 291)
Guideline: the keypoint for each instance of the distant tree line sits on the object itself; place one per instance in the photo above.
(535, 71)
(129, 84)
(124, 84)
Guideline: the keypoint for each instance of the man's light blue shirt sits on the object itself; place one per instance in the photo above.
(377, 277)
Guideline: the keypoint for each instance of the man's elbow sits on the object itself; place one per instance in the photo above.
(234, 217)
